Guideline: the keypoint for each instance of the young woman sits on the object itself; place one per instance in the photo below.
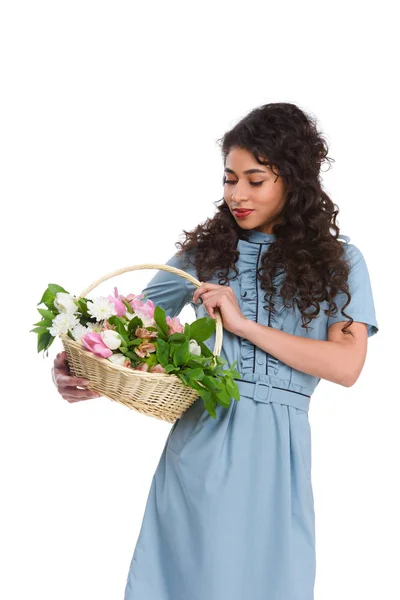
(230, 512)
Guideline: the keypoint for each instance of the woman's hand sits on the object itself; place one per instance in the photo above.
(221, 296)
(66, 383)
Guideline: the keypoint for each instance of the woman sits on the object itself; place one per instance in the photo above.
(230, 513)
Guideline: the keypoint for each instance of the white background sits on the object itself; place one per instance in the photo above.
(110, 112)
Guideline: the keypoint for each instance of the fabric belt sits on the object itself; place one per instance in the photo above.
(263, 391)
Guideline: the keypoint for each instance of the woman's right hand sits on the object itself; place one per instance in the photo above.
(66, 383)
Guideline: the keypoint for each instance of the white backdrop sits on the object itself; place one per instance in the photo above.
(110, 114)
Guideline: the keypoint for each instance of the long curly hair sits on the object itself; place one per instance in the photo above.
(306, 248)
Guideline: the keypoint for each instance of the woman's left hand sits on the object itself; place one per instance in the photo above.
(223, 297)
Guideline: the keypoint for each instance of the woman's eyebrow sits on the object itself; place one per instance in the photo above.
(249, 171)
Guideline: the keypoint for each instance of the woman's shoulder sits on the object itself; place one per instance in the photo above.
(352, 251)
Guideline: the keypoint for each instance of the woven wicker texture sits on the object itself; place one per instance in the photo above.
(158, 395)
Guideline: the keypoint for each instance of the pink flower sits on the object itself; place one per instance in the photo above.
(175, 326)
(130, 297)
(143, 308)
(142, 332)
(118, 304)
(127, 364)
(92, 341)
(144, 349)
(142, 367)
(157, 369)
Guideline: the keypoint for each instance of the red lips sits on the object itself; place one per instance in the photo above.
(243, 212)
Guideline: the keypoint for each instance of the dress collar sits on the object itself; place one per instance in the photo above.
(258, 237)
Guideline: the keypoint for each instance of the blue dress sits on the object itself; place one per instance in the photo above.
(230, 511)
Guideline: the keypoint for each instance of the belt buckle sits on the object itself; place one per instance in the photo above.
(266, 398)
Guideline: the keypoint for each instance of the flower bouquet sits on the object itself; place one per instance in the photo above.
(131, 352)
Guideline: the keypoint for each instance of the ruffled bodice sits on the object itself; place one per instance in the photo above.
(255, 360)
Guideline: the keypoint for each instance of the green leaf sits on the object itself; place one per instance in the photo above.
(204, 393)
(131, 355)
(162, 352)
(213, 384)
(209, 402)
(49, 343)
(219, 360)
(120, 327)
(182, 378)
(171, 368)
(181, 354)
(234, 371)
(83, 309)
(205, 350)
(232, 388)
(39, 329)
(172, 348)
(210, 405)
(202, 329)
(161, 334)
(160, 319)
(135, 342)
(54, 288)
(133, 324)
(44, 340)
(222, 397)
(46, 314)
(177, 337)
(44, 323)
(197, 373)
(199, 361)
(47, 299)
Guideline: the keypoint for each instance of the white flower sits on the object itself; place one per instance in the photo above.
(97, 327)
(78, 331)
(111, 338)
(101, 308)
(65, 303)
(117, 358)
(62, 323)
(194, 348)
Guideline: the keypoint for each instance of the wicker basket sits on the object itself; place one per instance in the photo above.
(159, 395)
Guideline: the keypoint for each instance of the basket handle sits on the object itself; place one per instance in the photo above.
(187, 276)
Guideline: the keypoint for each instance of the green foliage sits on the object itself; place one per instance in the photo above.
(83, 309)
(205, 373)
(181, 354)
(162, 352)
(161, 321)
(119, 323)
(133, 324)
(202, 329)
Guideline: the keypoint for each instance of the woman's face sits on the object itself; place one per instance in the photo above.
(262, 191)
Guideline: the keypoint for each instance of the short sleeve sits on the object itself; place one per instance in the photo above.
(361, 306)
(169, 290)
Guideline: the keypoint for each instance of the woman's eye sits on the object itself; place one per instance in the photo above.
(251, 182)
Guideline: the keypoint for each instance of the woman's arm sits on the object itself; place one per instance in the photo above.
(340, 359)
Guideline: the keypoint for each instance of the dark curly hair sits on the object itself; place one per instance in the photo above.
(306, 246)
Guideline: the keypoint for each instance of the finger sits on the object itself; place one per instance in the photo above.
(60, 358)
(72, 399)
(196, 294)
(199, 291)
(68, 381)
(78, 394)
